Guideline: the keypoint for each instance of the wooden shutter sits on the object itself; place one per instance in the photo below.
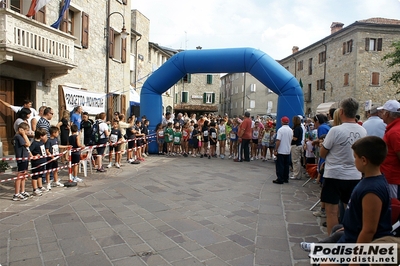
(350, 46)
(204, 97)
(209, 79)
(213, 97)
(366, 44)
(185, 96)
(85, 30)
(111, 43)
(64, 20)
(344, 48)
(346, 79)
(379, 47)
(40, 16)
(375, 78)
(123, 104)
(123, 50)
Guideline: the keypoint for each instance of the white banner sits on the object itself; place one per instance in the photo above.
(93, 103)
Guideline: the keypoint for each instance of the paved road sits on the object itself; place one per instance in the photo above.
(165, 211)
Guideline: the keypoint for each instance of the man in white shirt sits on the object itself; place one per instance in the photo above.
(284, 137)
(341, 174)
(374, 125)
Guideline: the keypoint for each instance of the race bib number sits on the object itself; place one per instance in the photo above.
(205, 133)
(213, 135)
(113, 138)
(222, 131)
(56, 150)
(185, 134)
(43, 150)
(177, 139)
(161, 134)
(170, 137)
(233, 135)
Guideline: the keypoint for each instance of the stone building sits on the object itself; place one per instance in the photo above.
(346, 63)
(241, 92)
(85, 56)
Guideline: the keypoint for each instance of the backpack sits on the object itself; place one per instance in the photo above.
(95, 135)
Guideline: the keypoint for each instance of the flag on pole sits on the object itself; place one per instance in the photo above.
(63, 9)
(36, 5)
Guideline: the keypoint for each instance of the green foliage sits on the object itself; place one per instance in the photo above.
(3, 165)
(393, 61)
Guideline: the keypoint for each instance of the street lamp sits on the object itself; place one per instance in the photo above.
(124, 34)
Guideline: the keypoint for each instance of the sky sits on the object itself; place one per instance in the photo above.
(273, 26)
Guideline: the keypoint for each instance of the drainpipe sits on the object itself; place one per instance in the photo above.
(107, 55)
(325, 70)
(136, 61)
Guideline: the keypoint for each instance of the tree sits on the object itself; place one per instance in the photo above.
(394, 60)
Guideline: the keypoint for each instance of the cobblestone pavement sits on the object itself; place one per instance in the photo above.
(165, 211)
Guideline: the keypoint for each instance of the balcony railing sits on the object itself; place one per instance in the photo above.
(27, 40)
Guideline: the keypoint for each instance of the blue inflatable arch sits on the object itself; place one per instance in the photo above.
(233, 60)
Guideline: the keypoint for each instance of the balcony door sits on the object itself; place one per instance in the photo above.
(6, 114)
(22, 7)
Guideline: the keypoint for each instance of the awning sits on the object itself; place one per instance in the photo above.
(323, 108)
(134, 97)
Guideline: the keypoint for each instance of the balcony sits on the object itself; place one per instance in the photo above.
(25, 40)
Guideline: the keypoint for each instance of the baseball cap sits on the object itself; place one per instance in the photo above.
(285, 119)
(391, 106)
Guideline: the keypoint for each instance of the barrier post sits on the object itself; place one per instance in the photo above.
(69, 164)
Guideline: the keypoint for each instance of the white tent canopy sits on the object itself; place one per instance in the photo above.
(323, 108)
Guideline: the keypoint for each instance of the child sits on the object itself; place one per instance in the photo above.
(145, 131)
(265, 143)
(75, 141)
(195, 135)
(38, 150)
(177, 139)
(204, 135)
(139, 136)
(272, 142)
(254, 141)
(160, 138)
(169, 138)
(368, 213)
(53, 149)
(22, 152)
(213, 140)
(309, 148)
(233, 149)
(222, 137)
(115, 137)
(185, 139)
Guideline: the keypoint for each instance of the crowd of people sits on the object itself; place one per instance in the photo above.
(358, 163)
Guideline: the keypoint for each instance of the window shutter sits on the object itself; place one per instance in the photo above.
(379, 44)
(213, 97)
(189, 78)
(40, 16)
(375, 78)
(346, 79)
(204, 97)
(110, 106)
(209, 79)
(366, 44)
(350, 48)
(64, 21)
(185, 96)
(123, 104)
(85, 30)
(123, 49)
(111, 43)
(344, 48)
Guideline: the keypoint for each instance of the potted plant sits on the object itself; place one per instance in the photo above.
(4, 166)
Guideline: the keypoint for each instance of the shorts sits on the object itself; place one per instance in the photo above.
(160, 141)
(22, 166)
(139, 142)
(52, 165)
(222, 137)
(37, 170)
(75, 157)
(334, 190)
(264, 143)
(212, 143)
(115, 148)
(131, 143)
(101, 150)
(255, 141)
(195, 143)
(271, 146)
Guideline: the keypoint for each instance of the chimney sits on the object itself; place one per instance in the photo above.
(295, 49)
(336, 26)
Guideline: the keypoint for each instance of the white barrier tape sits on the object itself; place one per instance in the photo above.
(28, 158)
